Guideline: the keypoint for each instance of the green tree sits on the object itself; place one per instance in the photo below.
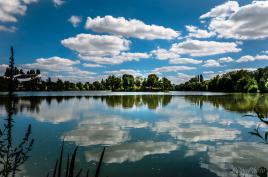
(252, 86)
(138, 81)
(225, 84)
(103, 84)
(80, 86)
(213, 83)
(59, 85)
(113, 83)
(128, 82)
(117, 83)
(241, 84)
(152, 81)
(97, 85)
(166, 84)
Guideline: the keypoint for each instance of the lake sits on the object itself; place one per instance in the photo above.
(187, 134)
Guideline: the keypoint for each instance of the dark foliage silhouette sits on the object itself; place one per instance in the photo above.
(13, 156)
(70, 170)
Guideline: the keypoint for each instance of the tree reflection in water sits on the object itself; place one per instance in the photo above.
(13, 156)
(241, 103)
(130, 101)
(32, 103)
(263, 122)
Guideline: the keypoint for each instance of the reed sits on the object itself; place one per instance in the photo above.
(70, 168)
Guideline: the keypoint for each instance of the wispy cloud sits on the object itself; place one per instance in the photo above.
(58, 3)
(173, 68)
(75, 20)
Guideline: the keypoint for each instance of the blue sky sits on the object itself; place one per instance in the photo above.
(86, 40)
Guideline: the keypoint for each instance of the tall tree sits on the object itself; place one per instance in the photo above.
(152, 81)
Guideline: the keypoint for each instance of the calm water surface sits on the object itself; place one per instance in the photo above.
(187, 134)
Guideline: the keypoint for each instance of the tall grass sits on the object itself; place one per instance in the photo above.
(70, 168)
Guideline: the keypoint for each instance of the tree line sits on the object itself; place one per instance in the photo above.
(126, 82)
(234, 81)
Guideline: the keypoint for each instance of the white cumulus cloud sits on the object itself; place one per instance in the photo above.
(102, 49)
(230, 20)
(130, 28)
(96, 45)
(249, 58)
(163, 54)
(53, 64)
(10, 9)
(117, 59)
(204, 48)
(223, 10)
(226, 60)
(211, 63)
(195, 32)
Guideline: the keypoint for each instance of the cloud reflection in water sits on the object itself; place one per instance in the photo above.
(241, 155)
(103, 131)
(132, 152)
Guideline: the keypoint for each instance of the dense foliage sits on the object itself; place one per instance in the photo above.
(235, 81)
